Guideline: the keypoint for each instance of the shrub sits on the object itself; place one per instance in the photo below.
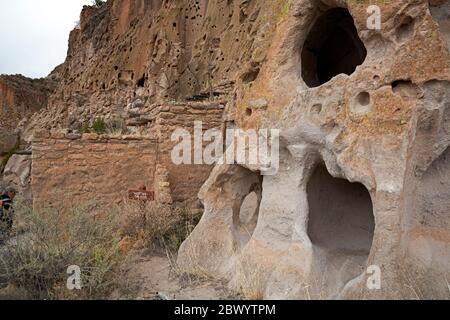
(117, 126)
(99, 126)
(160, 226)
(54, 239)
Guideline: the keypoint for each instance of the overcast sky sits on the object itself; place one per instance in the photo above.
(34, 34)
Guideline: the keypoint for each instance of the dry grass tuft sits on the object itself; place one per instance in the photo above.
(53, 239)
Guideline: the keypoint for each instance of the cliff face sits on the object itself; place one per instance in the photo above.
(20, 97)
(364, 121)
(158, 51)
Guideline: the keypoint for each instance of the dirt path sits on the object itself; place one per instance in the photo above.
(150, 278)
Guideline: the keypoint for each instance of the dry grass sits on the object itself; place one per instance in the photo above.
(160, 227)
(53, 239)
(252, 281)
(46, 241)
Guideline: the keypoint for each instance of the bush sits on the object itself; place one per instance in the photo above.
(99, 126)
(160, 226)
(54, 239)
(117, 126)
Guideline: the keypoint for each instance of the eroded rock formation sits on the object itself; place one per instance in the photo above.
(129, 55)
(364, 121)
(21, 97)
(364, 160)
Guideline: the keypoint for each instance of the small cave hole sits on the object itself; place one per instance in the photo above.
(332, 47)
(251, 74)
(247, 206)
(405, 30)
(316, 109)
(361, 104)
(141, 81)
(406, 89)
(363, 99)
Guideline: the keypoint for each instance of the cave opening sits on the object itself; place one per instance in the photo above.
(332, 47)
(246, 207)
(341, 217)
(141, 82)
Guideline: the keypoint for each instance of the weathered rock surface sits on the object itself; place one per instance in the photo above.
(364, 170)
(21, 97)
(131, 54)
(17, 173)
(365, 132)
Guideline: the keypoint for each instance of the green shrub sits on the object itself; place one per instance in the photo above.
(99, 126)
(54, 239)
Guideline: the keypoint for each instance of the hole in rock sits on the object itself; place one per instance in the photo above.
(406, 89)
(363, 98)
(362, 104)
(341, 218)
(331, 48)
(251, 74)
(405, 30)
(248, 112)
(316, 109)
(246, 205)
(141, 81)
(248, 211)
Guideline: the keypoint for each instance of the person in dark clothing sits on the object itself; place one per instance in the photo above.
(6, 211)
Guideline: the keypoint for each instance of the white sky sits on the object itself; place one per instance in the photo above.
(34, 34)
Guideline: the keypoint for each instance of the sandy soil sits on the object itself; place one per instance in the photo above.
(150, 278)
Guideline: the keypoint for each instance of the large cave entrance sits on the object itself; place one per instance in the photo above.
(331, 48)
(340, 214)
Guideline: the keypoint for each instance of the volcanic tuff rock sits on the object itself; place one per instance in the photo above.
(21, 97)
(364, 175)
(363, 184)
(155, 51)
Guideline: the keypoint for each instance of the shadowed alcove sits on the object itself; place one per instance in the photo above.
(332, 47)
(340, 214)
